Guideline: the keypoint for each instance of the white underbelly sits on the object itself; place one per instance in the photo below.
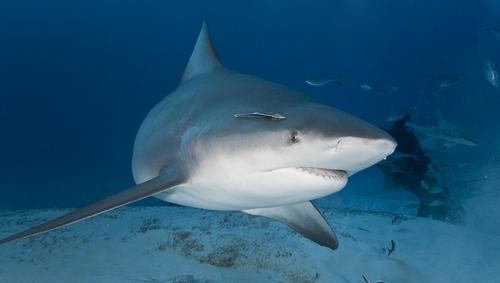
(263, 189)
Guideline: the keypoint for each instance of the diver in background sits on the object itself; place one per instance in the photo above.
(409, 167)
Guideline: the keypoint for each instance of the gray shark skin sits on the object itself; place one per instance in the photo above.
(229, 141)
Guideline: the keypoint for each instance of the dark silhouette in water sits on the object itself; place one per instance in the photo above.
(407, 141)
(412, 169)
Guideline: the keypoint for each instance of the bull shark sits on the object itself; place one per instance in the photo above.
(442, 136)
(228, 141)
(437, 133)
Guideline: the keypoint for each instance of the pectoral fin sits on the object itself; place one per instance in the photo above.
(154, 186)
(304, 218)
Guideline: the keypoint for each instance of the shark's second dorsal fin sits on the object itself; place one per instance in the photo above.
(203, 59)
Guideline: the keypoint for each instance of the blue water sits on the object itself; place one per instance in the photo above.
(78, 77)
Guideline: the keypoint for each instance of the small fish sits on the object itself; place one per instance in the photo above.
(366, 87)
(466, 141)
(322, 81)
(396, 220)
(259, 115)
(365, 280)
(424, 184)
(492, 73)
(395, 117)
(444, 82)
(391, 249)
(455, 164)
(436, 203)
(436, 190)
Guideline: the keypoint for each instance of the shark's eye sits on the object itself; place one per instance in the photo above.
(294, 137)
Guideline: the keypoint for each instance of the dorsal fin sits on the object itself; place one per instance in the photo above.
(203, 59)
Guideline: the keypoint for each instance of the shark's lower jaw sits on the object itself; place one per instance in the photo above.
(331, 174)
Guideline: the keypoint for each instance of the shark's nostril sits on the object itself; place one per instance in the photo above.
(338, 146)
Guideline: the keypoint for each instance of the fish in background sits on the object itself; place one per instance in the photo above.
(383, 90)
(366, 87)
(442, 136)
(395, 117)
(444, 82)
(365, 280)
(437, 133)
(492, 73)
(322, 81)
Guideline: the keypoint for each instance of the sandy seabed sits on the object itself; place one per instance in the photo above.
(180, 244)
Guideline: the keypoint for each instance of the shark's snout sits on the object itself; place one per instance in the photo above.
(389, 144)
(383, 147)
(353, 154)
(386, 143)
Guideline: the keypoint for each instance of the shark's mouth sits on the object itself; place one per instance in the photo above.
(332, 174)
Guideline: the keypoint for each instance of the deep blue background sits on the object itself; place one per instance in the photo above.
(78, 77)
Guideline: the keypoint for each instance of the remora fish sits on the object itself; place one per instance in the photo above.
(193, 150)
(321, 81)
(492, 73)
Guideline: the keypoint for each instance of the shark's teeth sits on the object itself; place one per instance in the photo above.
(331, 174)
